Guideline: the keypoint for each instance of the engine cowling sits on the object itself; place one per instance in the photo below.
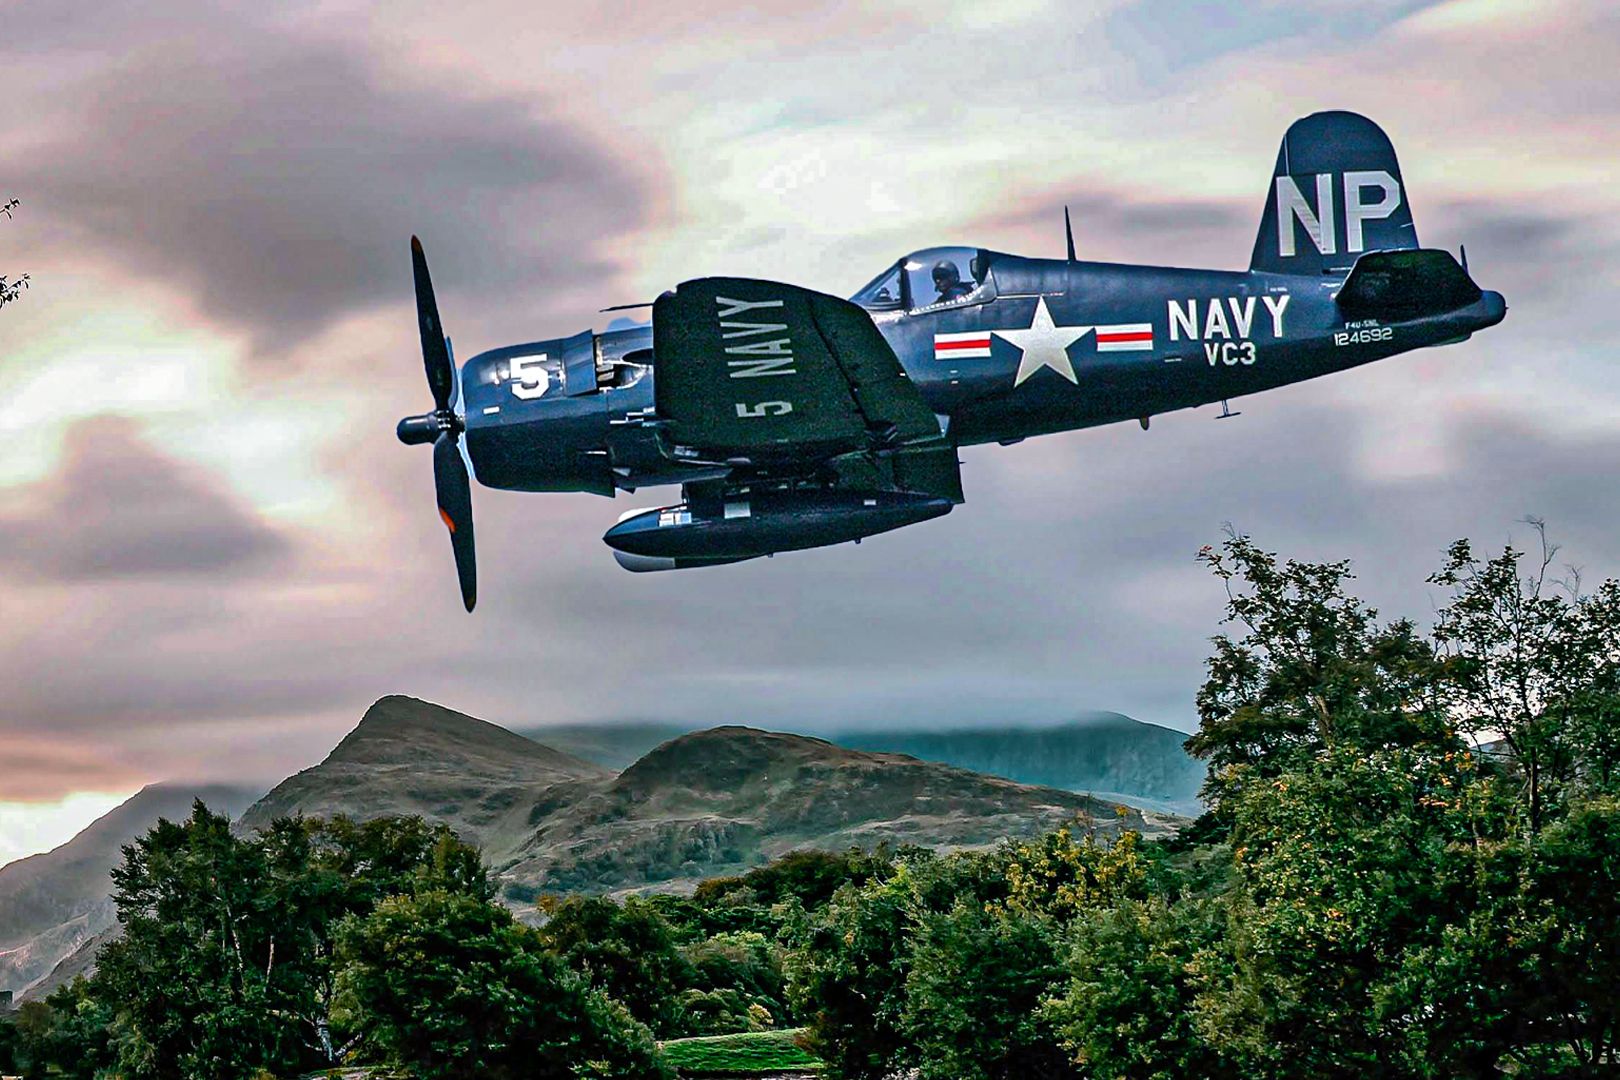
(705, 533)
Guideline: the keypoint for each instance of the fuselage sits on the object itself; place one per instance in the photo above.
(1028, 347)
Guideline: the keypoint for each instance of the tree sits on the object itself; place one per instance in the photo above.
(10, 288)
(847, 977)
(12, 1059)
(1524, 969)
(1405, 903)
(1340, 868)
(978, 978)
(448, 986)
(810, 877)
(628, 951)
(1060, 876)
(194, 972)
(1313, 667)
(1533, 663)
(69, 1034)
(224, 965)
(1128, 1011)
(735, 984)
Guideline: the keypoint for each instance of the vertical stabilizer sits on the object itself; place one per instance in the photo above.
(1336, 192)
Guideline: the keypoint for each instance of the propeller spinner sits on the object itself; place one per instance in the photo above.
(443, 428)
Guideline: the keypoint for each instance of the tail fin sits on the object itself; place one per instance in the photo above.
(1335, 193)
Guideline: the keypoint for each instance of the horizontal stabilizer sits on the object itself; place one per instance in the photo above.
(1399, 285)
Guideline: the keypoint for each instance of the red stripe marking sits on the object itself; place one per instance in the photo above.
(448, 523)
(972, 343)
(1141, 335)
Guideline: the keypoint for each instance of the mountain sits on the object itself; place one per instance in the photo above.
(719, 801)
(413, 757)
(705, 803)
(53, 902)
(695, 806)
(81, 961)
(1108, 754)
(1103, 753)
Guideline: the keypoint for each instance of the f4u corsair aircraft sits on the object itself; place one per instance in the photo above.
(792, 419)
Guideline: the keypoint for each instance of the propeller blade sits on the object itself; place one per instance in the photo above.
(436, 358)
(455, 510)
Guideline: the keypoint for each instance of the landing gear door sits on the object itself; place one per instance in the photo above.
(579, 364)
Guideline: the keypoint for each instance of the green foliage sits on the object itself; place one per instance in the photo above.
(1403, 905)
(847, 977)
(446, 985)
(710, 963)
(1129, 1009)
(809, 877)
(12, 1060)
(194, 976)
(751, 1053)
(628, 951)
(1313, 666)
(70, 1033)
(944, 964)
(1060, 877)
(977, 980)
(224, 964)
(735, 984)
(1375, 892)
(1336, 871)
(1534, 663)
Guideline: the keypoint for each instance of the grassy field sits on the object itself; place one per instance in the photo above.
(750, 1052)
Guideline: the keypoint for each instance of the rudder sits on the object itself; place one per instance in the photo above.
(1336, 192)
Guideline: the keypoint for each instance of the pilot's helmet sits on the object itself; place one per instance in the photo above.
(946, 274)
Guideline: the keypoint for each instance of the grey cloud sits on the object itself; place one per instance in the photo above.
(1170, 37)
(47, 774)
(1067, 577)
(1067, 581)
(275, 175)
(118, 508)
(1548, 255)
(1114, 223)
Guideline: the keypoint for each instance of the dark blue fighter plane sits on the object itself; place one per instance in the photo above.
(792, 419)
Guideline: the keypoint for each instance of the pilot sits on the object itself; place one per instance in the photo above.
(948, 280)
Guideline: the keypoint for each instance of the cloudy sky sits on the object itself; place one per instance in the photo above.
(214, 555)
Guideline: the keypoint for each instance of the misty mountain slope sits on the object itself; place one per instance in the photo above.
(412, 757)
(718, 801)
(1101, 752)
(52, 902)
(1104, 752)
(81, 961)
(613, 745)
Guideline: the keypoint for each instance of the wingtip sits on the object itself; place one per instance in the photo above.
(416, 245)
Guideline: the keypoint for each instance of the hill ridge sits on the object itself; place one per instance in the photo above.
(395, 715)
(52, 901)
(704, 803)
(408, 756)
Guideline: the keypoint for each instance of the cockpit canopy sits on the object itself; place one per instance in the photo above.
(931, 279)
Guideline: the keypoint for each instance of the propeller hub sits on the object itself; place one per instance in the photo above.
(416, 430)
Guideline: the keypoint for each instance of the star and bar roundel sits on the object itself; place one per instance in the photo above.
(1043, 343)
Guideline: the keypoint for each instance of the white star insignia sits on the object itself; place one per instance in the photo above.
(1044, 344)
